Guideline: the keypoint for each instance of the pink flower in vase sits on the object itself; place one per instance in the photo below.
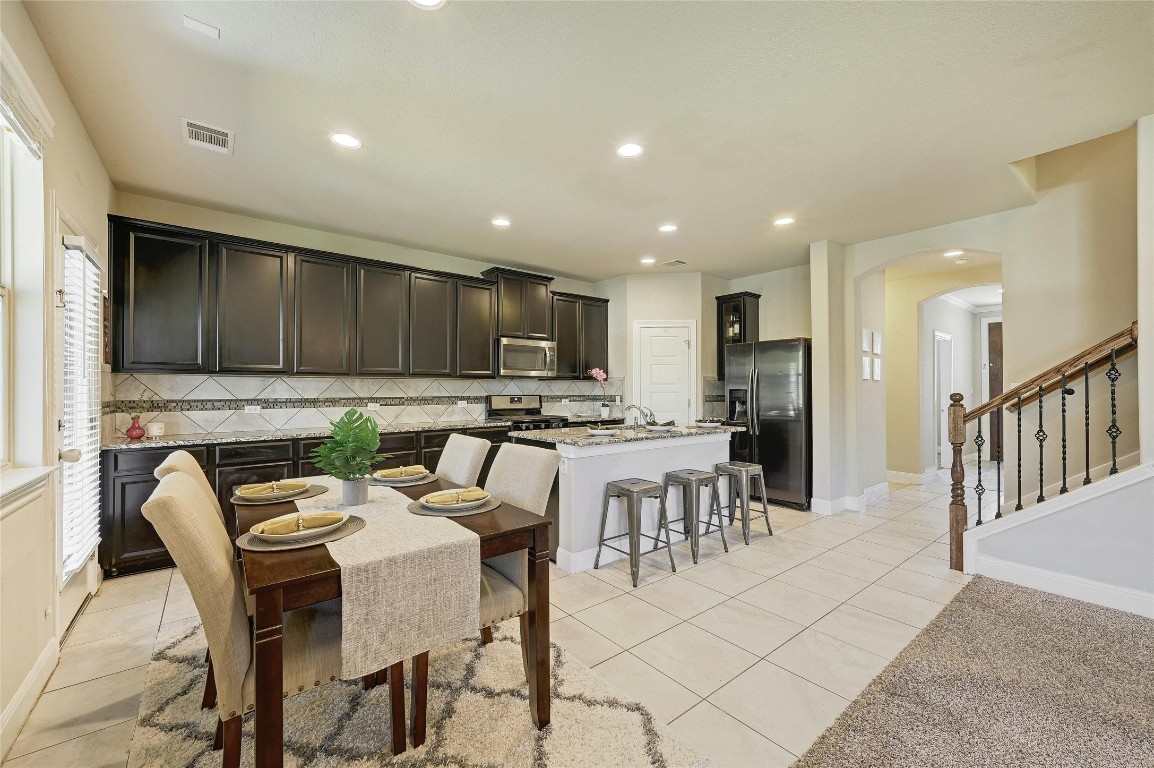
(600, 376)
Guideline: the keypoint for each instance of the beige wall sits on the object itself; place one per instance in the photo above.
(871, 399)
(909, 414)
(783, 310)
(75, 182)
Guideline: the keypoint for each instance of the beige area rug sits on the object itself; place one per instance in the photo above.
(1009, 677)
(478, 716)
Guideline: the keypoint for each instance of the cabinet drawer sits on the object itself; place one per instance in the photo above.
(398, 442)
(434, 439)
(492, 434)
(254, 453)
(149, 459)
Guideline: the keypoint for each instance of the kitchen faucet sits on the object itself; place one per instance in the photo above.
(642, 411)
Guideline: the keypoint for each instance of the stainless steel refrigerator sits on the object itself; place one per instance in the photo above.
(767, 391)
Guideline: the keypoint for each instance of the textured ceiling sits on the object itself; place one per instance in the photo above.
(861, 119)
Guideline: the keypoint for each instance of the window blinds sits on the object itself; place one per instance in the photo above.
(81, 430)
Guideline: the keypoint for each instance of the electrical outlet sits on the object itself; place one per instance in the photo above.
(564, 401)
(373, 406)
(462, 403)
(252, 409)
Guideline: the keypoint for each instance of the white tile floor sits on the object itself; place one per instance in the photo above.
(748, 655)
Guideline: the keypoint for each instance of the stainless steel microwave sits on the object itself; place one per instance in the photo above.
(526, 357)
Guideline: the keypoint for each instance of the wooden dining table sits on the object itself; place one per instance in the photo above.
(288, 579)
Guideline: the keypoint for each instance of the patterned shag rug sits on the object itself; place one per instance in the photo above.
(1006, 677)
(478, 716)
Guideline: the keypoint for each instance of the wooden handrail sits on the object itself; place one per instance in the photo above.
(1121, 343)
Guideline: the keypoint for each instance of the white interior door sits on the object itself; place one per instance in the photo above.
(665, 366)
(943, 388)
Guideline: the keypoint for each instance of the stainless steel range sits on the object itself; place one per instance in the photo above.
(524, 411)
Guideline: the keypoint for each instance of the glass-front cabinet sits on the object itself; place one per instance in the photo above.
(737, 323)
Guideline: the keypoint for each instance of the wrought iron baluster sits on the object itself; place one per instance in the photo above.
(979, 488)
(1113, 374)
(1019, 413)
(1086, 387)
(1065, 391)
(1041, 436)
(996, 424)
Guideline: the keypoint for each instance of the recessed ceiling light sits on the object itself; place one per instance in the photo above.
(951, 254)
(345, 140)
(500, 222)
(630, 150)
(428, 5)
(960, 262)
(649, 260)
(784, 221)
(997, 290)
(667, 228)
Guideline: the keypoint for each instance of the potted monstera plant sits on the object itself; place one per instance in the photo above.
(350, 453)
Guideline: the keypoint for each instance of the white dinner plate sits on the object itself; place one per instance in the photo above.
(307, 533)
(708, 424)
(602, 432)
(450, 507)
(401, 480)
(660, 429)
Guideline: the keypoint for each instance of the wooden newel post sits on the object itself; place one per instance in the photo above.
(957, 435)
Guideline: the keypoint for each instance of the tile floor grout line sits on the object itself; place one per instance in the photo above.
(91, 679)
(74, 738)
(734, 719)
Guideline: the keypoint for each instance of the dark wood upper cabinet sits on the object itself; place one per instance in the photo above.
(323, 316)
(524, 307)
(432, 324)
(382, 320)
(594, 335)
(737, 323)
(253, 302)
(476, 315)
(567, 334)
(160, 298)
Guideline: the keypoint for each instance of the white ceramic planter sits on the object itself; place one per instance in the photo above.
(604, 411)
(354, 492)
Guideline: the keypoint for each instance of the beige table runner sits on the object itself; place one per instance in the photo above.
(409, 584)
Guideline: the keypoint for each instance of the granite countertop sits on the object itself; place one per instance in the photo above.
(214, 438)
(580, 436)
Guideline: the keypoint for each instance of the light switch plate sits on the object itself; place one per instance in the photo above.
(252, 409)
(373, 406)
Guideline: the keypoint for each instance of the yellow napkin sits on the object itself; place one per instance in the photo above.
(282, 525)
(280, 486)
(458, 497)
(398, 472)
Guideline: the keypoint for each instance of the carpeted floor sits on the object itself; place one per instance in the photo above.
(1009, 677)
(478, 716)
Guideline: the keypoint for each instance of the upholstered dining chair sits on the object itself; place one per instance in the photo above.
(522, 476)
(203, 552)
(462, 459)
(182, 461)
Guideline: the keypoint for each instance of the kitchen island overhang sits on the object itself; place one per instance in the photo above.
(589, 462)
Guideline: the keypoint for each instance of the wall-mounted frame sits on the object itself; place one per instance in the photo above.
(865, 340)
(877, 342)
(877, 369)
(865, 368)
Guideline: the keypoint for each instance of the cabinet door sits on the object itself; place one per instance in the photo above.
(160, 300)
(252, 310)
(382, 321)
(511, 303)
(228, 478)
(476, 309)
(129, 542)
(432, 310)
(594, 336)
(567, 334)
(498, 436)
(536, 310)
(323, 315)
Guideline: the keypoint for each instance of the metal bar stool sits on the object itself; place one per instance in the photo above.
(741, 475)
(635, 491)
(690, 481)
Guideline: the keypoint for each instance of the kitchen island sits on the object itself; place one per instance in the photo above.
(589, 462)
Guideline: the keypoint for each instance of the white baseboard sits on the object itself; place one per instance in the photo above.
(894, 476)
(874, 493)
(824, 507)
(1099, 593)
(21, 704)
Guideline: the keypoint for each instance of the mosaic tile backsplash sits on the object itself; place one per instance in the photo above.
(192, 404)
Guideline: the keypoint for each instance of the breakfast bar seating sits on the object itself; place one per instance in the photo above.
(691, 482)
(742, 476)
(634, 491)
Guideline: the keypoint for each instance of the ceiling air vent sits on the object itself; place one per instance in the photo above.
(674, 263)
(201, 135)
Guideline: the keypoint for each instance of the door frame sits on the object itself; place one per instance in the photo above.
(941, 440)
(635, 363)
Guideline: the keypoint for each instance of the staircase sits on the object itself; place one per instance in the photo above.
(1053, 501)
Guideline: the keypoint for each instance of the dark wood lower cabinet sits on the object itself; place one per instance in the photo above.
(129, 544)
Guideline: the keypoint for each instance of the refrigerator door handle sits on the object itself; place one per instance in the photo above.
(754, 409)
(749, 411)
